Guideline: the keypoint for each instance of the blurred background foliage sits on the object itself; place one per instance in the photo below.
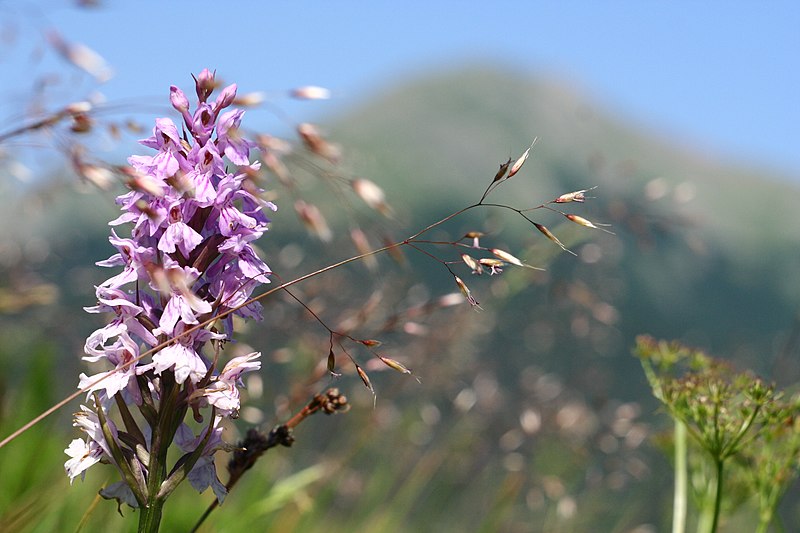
(531, 415)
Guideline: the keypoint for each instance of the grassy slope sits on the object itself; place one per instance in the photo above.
(722, 261)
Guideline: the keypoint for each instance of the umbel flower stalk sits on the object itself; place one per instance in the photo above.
(194, 213)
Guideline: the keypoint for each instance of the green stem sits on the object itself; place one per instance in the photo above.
(711, 503)
(150, 517)
(681, 479)
(717, 496)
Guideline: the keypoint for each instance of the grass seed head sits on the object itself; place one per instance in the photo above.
(472, 263)
(394, 365)
(521, 161)
(365, 378)
(507, 257)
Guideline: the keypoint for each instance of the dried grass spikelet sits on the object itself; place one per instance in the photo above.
(361, 243)
(249, 100)
(178, 281)
(395, 252)
(394, 364)
(415, 328)
(370, 343)
(133, 127)
(449, 300)
(312, 219)
(100, 177)
(143, 206)
(521, 161)
(587, 223)
(313, 140)
(78, 108)
(575, 196)
(114, 131)
(495, 266)
(472, 263)
(97, 175)
(158, 277)
(372, 195)
(365, 378)
(466, 292)
(475, 236)
(81, 56)
(507, 257)
(332, 363)
(547, 233)
(141, 182)
(270, 143)
(271, 150)
(501, 172)
(276, 166)
(81, 123)
(181, 183)
(310, 92)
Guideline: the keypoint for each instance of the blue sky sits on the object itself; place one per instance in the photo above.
(721, 76)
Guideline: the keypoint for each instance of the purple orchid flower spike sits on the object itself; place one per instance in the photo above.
(189, 258)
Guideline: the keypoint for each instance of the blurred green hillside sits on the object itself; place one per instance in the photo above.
(531, 415)
(705, 251)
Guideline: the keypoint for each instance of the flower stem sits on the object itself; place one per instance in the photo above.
(717, 496)
(681, 482)
(150, 517)
(710, 507)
